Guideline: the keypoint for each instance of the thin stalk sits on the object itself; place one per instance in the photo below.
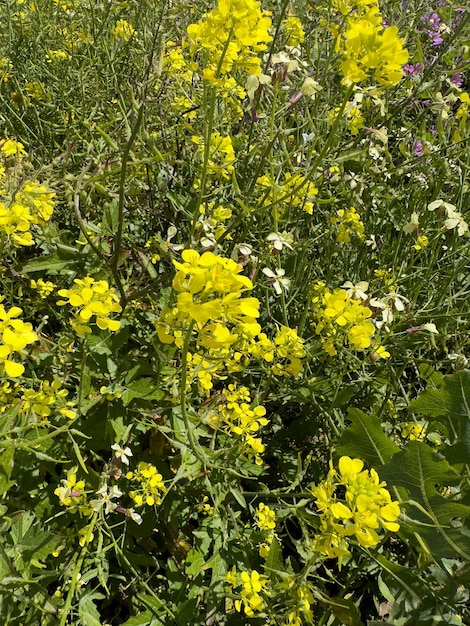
(75, 575)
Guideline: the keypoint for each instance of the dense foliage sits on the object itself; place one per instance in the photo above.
(234, 312)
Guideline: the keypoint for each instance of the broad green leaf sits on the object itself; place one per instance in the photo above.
(366, 440)
(143, 388)
(274, 559)
(89, 615)
(450, 406)
(46, 264)
(420, 471)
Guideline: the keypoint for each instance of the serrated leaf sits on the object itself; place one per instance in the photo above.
(450, 406)
(87, 610)
(419, 470)
(366, 440)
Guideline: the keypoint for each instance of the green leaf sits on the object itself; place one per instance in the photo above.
(366, 440)
(87, 610)
(419, 470)
(274, 560)
(6, 467)
(46, 264)
(143, 388)
(344, 610)
(450, 407)
(144, 619)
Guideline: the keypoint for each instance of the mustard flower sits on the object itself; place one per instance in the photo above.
(91, 299)
(292, 27)
(45, 288)
(349, 224)
(221, 154)
(150, 487)
(353, 502)
(10, 147)
(252, 584)
(123, 30)
(369, 50)
(230, 35)
(72, 493)
(15, 336)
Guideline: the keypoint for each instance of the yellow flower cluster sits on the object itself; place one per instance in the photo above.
(342, 318)
(72, 493)
(369, 50)
(265, 519)
(252, 584)
(44, 288)
(22, 204)
(150, 485)
(15, 336)
(49, 397)
(239, 417)
(349, 224)
(289, 349)
(175, 63)
(221, 154)
(352, 503)
(91, 298)
(123, 30)
(352, 116)
(294, 192)
(294, 31)
(230, 35)
(210, 298)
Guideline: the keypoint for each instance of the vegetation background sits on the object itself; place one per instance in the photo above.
(234, 314)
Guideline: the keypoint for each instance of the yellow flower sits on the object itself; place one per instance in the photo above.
(9, 147)
(123, 30)
(92, 299)
(150, 485)
(369, 50)
(16, 335)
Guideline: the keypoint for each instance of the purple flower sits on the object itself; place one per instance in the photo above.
(413, 68)
(417, 148)
(457, 80)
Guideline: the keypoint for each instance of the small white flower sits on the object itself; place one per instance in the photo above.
(372, 242)
(456, 220)
(279, 240)
(134, 516)
(356, 291)
(430, 327)
(121, 453)
(413, 224)
(106, 497)
(277, 279)
(438, 204)
(310, 87)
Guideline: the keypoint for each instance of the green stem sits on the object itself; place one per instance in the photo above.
(75, 575)
(193, 443)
